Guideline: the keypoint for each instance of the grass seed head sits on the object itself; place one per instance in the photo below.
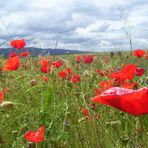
(6, 104)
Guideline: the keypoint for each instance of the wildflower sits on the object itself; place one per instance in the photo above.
(35, 137)
(57, 64)
(106, 84)
(92, 105)
(134, 102)
(127, 72)
(44, 79)
(78, 59)
(1, 69)
(1, 96)
(12, 54)
(65, 73)
(18, 44)
(24, 54)
(139, 71)
(98, 91)
(75, 78)
(129, 85)
(45, 68)
(13, 63)
(139, 53)
(101, 73)
(88, 59)
(85, 112)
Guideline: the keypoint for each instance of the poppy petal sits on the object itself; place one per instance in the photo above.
(13, 63)
(1, 96)
(134, 102)
(18, 44)
(35, 137)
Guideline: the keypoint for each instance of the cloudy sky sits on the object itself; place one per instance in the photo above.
(76, 24)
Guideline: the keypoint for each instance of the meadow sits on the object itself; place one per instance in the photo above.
(51, 97)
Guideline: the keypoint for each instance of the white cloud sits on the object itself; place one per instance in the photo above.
(86, 25)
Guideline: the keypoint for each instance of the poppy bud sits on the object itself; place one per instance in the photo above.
(33, 82)
(92, 106)
(139, 71)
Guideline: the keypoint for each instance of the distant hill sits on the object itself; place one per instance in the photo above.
(39, 51)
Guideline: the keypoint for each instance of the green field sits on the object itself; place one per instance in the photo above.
(57, 105)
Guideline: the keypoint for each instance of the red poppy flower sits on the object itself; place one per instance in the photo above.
(75, 78)
(12, 54)
(103, 86)
(1, 96)
(45, 68)
(57, 64)
(13, 63)
(65, 73)
(24, 54)
(78, 59)
(106, 84)
(44, 79)
(92, 105)
(129, 85)
(98, 91)
(139, 53)
(139, 71)
(146, 57)
(101, 73)
(1, 69)
(134, 102)
(85, 112)
(18, 44)
(37, 136)
(127, 72)
(88, 59)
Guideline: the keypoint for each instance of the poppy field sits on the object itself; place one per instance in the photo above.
(74, 101)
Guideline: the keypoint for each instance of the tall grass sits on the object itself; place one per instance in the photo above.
(57, 105)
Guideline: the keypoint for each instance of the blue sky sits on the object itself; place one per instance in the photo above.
(76, 24)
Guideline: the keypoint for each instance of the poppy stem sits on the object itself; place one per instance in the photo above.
(29, 145)
(36, 145)
(19, 104)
